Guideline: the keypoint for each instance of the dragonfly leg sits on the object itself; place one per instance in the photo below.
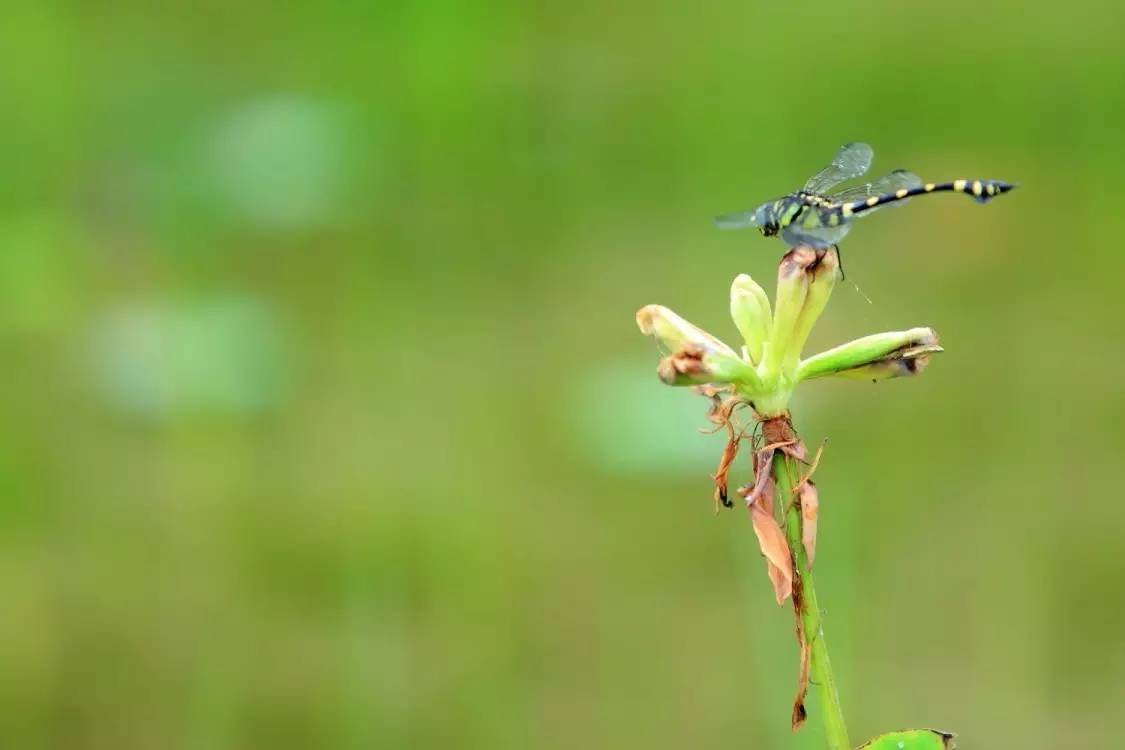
(840, 260)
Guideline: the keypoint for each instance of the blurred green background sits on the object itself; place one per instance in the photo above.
(325, 421)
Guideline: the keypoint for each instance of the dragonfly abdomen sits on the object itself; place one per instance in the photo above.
(981, 190)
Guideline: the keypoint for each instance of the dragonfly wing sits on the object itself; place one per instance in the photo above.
(755, 217)
(738, 220)
(851, 161)
(900, 179)
(818, 237)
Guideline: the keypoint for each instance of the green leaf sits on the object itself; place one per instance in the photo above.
(912, 739)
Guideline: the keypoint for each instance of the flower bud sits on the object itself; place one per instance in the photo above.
(823, 277)
(878, 357)
(912, 739)
(792, 288)
(694, 356)
(750, 310)
(673, 332)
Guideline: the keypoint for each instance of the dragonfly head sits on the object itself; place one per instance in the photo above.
(765, 217)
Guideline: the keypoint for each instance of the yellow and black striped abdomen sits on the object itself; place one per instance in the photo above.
(981, 190)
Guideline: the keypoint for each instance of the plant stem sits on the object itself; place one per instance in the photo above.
(809, 610)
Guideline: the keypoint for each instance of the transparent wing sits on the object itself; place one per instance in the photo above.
(738, 220)
(755, 217)
(818, 237)
(851, 161)
(899, 179)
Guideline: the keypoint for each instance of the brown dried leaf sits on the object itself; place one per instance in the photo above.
(779, 582)
(794, 450)
(723, 404)
(766, 498)
(715, 410)
(799, 713)
(720, 476)
(771, 540)
(809, 499)
(763, 460)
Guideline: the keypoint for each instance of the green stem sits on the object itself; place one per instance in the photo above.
(820, 667)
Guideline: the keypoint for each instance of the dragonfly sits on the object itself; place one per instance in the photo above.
(816, 217)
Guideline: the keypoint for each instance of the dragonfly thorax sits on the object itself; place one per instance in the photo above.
(812, 199)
